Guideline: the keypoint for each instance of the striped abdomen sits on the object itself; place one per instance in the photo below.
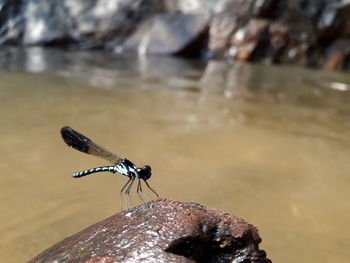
(111, 168)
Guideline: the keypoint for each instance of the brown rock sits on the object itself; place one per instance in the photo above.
(291, 42)
(337, 55)
(221, 30)
(162, 231)
(245, 40)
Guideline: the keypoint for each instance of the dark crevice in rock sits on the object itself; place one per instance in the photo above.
(211, 248)
(197, 48)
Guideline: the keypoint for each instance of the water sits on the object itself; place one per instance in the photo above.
(268, 144)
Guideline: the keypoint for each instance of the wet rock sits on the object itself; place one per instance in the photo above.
(169, 34)
(334, 21)
(46, 21)
(298, 41)
(298, 32)
(288, 32)
(198, 7)
(10, 21)
(264, 8)
(278, 32)
(221, 30)
(90, 23)
(338, 55)
(246, 40)
(236, 25)
(231, 27)
(162, 231)
(236, 8)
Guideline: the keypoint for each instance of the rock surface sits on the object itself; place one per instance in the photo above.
(168, 34)
(282, 31)
(304, 32)
(162, 231)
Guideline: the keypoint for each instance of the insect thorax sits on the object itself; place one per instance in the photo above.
(127, 168)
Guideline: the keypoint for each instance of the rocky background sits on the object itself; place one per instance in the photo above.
(313, 33)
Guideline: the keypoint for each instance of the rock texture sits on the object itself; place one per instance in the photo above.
(169, 34)
(312, 33)
(89, 23)
(162, 231)
(307, 32)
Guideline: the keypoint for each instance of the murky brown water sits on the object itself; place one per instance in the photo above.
(268, 144)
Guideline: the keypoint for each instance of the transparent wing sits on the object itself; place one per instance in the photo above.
(83, 144)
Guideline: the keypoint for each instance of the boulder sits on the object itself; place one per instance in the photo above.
(169, 34)
(162, 231)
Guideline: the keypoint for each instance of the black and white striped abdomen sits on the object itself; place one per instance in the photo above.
(111, 168)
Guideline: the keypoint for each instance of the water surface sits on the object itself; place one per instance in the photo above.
(268, 144)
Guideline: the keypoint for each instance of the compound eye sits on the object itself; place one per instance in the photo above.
(146, 172)
(147, 168)
(139, 170)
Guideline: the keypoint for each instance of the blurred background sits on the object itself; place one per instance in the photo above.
(242, 106)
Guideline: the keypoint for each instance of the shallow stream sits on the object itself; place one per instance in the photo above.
(270, 144)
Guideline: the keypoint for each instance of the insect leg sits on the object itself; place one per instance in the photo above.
(121, 193)
(127, 193)
(152, 189)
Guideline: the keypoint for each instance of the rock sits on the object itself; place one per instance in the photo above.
(90, 23)
(334, 21)
(338, 53)
(236, 8)
(196, 7)
(162, 231)
(231, 27)
(264, 8)
(46, 21)
(245, 41)
(221, 30)
(10, 21)
(298, 32)
(169, 34)
(287, 32)
(292, 44)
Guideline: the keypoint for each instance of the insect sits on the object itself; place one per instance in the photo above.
(120, 165)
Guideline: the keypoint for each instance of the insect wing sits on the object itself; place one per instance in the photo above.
(83, 144)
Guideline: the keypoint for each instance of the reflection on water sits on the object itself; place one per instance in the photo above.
(268, 144)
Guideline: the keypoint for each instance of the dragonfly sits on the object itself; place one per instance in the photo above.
(120, 165)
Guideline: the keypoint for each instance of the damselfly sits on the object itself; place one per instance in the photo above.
(120, 165)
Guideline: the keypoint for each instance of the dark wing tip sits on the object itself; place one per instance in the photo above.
(66, 133)
(75, 139)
